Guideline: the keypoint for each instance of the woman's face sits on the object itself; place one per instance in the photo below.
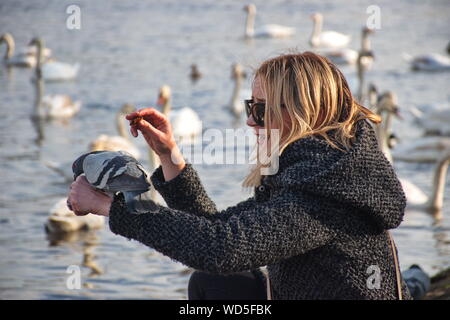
(258, 95)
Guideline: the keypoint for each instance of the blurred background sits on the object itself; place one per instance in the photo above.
(123, 53)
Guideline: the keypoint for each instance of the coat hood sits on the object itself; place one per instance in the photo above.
(361, 178)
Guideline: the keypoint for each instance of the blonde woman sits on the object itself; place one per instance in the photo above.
(318, 224)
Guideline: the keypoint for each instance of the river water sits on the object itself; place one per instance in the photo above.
(127, 50)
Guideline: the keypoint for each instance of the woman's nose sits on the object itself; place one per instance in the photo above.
(250, 121)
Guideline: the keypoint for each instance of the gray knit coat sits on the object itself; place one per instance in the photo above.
(319, 224)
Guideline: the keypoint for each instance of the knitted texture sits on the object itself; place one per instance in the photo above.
(318, 224)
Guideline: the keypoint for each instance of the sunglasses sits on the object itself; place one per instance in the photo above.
(257, 110)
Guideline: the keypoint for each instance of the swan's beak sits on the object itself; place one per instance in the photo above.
(397, 112)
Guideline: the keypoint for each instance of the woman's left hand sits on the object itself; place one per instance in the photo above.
(84, 199)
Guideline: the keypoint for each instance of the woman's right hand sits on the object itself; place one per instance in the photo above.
(156, 129)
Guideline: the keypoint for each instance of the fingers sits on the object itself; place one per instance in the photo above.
(75, 188)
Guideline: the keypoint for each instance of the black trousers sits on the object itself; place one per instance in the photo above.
(236, 286)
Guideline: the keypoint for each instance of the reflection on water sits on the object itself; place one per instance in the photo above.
(123, 60)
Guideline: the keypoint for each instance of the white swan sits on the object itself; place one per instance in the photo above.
(434, 203)
(416, 198)
(434, 121)
(266, 31)
(236, 105)
(386, 107)
(428, 62)
(361, 67)
(186, 124)
(26, 58)
(54, 106)
(423, 150)
(117, 143)
(53, 70)
(63, 220)
(349, 56)
(326, 39)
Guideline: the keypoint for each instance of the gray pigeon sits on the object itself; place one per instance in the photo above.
(113, 172)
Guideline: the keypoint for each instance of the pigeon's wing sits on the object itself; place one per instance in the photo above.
(99, 168)
(127, 182)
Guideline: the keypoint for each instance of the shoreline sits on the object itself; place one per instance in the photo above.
(440, 286)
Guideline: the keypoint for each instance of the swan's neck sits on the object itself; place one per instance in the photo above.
(10, 46)
(153, 159)
(167, 107)
(39, 49)
(121, 126)
(236, 89)
(317, 30)
(360, 80)
(365, 42)
(440, 173)
(39, 87)
(383, 130)
(250, 23)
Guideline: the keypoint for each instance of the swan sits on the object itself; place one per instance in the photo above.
(117, 143)
(363, 58)
(326, 39)
(186, 124)
(386, 107)
(423, 150)
(27, 58)
(53, 70)
(236, 105)
(54, 106)
(428, 62)
(434, 203)
(435, 121)
(62, 220)
(416, 198)
(266, 31)
(349, 56)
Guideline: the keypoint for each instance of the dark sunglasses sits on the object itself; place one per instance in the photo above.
(257, 110)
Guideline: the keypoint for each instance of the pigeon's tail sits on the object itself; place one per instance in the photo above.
(139, 202)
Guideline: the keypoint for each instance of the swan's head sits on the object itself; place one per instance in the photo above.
(164, 95)
(367, 31)
(36, 42)
(317, 17)
(237, 71)
(6, 37)
(250, 8)
(127, 108)
(388, 103)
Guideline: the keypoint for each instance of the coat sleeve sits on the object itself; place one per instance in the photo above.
(246, 236)
(185, 192)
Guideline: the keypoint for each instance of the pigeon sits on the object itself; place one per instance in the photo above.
(117, 171)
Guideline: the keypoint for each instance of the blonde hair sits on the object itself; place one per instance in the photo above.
(317, 99)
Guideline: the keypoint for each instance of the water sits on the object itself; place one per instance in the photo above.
(127, 50)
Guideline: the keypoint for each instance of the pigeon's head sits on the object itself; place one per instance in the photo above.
(77, 166)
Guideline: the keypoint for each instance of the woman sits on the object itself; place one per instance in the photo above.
(318, 224)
